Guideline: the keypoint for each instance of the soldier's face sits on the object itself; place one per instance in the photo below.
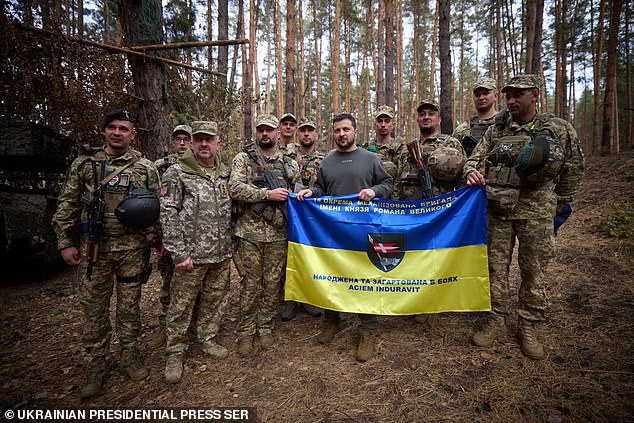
(267, 136)
(181, 141)
(307, 136)
(345, 135)
(205, 146)
(484, 99)
(384, 125)
(522, 103)
(428, 119)
(119, 135)
(287, 128)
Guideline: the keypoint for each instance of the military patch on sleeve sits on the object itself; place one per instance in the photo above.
(165, 189)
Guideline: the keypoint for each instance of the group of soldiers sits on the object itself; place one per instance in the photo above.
(211, 212)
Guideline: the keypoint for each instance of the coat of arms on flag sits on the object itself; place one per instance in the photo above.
(386, 250)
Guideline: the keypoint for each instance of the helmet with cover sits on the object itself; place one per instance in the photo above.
(541, 160)
(446, 163)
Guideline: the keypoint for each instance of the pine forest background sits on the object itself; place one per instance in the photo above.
(65, 63)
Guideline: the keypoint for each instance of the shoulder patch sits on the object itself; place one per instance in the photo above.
(165, 189)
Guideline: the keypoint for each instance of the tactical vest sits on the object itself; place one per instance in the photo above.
(503, 182)
(478, 127)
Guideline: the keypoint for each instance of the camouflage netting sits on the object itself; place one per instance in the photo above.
(64, 85)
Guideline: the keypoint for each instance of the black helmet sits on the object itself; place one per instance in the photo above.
(541, 160)
(140, 210)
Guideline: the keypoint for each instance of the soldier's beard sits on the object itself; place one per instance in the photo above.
(267, 144)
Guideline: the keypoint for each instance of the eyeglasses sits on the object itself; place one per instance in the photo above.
(182, 139)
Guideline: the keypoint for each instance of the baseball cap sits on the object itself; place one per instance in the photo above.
(486, 83)
(182, 128)
(288, 116)
(431, 103)
(266, 119)
(523, 82)
(204, 127)
(384, 110)
(307, 121)
(116, 114)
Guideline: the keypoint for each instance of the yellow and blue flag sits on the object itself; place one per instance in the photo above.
(389, 257)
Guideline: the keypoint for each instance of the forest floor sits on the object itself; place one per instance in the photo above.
(421, 373)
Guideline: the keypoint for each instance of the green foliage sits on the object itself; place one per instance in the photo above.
(619, 223)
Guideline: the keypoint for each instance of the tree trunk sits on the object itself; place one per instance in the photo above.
(389, 53)
(446, 80)
(380, 48)
(597, 51)
(289, 104)
(400, 98)
(279, 59)
(336, 57)
(432, 54)
(302, 67)
(154, 124)
(317, 67)
(609, 136)
(629, 133)
(223, 51)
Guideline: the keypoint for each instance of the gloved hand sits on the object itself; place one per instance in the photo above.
(562, 215)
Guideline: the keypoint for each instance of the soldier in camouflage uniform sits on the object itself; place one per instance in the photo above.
(181, 141)
(408, 185)
(485, 98)
(261, 229)
(521, 208)
(386, 147)
(288, 128)
(308, 158)
(123, 252)
(196, 220)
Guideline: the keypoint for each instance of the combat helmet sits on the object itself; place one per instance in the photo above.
(446, 163)
(541, 160)
(138, 211)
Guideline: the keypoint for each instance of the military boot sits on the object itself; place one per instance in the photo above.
(174, 368)
(95, 374)
(215, 350)
(493, 329)
(312, 310)
(245, 346)
(328, 331)
(267, 341)
(132, 366)
(531, 347)
(290, 310)
(365, 350)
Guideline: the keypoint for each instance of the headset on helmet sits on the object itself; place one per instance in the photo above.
(446, 163)
(138, 211)
(541, 160)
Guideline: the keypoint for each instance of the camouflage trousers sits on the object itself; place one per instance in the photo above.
(165, 266)
(124, 270)
(536, 246)
(369, 322)
(264, 265)
(209, 283)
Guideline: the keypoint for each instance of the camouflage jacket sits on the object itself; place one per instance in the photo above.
(308, 165)
(388, 153)
(71, 211)
(196, 211)
(535, 200)
(247, 187)
(474, 127)
(408, 183)
(163, 164)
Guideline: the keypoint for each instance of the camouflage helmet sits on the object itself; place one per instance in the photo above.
(446, 163)
(541, 160)
(139, 210)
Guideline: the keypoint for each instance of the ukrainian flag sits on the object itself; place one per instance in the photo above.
(389, 257)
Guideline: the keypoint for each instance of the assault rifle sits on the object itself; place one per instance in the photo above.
(269, 179)
(96, 211)
(420, 162)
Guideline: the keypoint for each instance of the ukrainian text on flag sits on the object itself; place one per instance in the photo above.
(389, 257)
